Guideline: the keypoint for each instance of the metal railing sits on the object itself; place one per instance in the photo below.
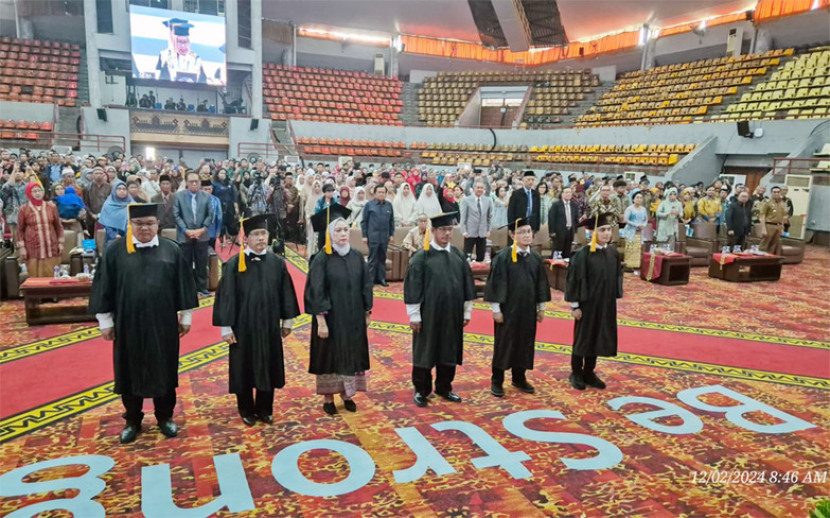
(76, 141)
(785, 166)
(266, 150)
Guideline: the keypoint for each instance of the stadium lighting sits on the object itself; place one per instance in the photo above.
(150, 153)
(397, 44)
(353, 37)
(816, 5)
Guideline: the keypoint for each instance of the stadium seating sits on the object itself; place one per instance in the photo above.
(680, 93)
(479, 155)
(445, 95)
(798, 90)
(656, 155)
(318, 94)
(30, 131)
(349, 147)
(39, 71)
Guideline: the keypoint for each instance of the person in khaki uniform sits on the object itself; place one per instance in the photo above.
(773, 217)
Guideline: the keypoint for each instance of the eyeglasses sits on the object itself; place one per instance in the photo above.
(139, 224)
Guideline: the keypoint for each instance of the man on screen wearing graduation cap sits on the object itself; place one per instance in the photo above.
(255, 307)
(178, 62)
(438, 293)
(517, 289)
(141, 283)
(594, 283)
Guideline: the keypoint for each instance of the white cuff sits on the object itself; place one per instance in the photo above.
(574, 305)
(288, 323)
(104, 320)
(414, 312)
(187, 317)
(225, 331)
(468, 309)
(496, 307)
(540, 306)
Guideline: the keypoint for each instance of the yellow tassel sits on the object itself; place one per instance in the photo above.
(328, 234)
(594, 234)
(426, 238)
(514, 252)
(130, 245)
(242, 266)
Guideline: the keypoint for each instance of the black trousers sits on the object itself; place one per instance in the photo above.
(196, 253)
(480, 244)
(518, 375)
(164, 406)
(736, 240)
(583, 365)
(563, 243)
(262, 406)
(422, 379)
(377, 260)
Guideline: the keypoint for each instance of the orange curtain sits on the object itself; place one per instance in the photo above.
(767, 9)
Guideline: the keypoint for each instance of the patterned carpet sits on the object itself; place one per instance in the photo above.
(655, 473)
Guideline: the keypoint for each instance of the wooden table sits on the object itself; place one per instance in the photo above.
(746, 268)
(36, 290)
(557, 272)
(480, 273)
(669, 269)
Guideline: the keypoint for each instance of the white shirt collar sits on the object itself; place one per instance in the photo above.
(249, 251)
(434, 245)
(601, 247)
(151, 243)
(523, 250)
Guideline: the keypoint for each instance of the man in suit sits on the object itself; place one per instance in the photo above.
(165, 199)
(524, 203)
(563, 218)
(193, 212)
(378, 226)
(476, 214)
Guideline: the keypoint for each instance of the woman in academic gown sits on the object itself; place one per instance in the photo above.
(255, 306)
(593, 286)
(338, 296)
(518, 290)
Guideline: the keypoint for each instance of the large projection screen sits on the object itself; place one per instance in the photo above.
(177, 46)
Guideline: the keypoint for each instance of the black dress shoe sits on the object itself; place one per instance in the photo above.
(450, 396)
(267, 419)
(420, 399)
(329, 408)
(592, 380)
(249, 420)
(350, 405)
(577, 382)
(525, 387)
(496, 389)
(169, 428)
(383, 283)
(129, 433)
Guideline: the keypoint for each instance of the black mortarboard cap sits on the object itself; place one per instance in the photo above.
(593, 222)
(260, 221)
(321, 220)
(182, 30)
(516, 223)
(444, 219)
(173, 22)
(143, 210)
(328, 187)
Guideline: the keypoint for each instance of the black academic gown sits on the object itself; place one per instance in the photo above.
(253, 303)
(595, 280)
(440, 281)
(518, 287)
(144, 291)
(341, 287)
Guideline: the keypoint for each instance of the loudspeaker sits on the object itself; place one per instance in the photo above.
(254, 124)
(743, 129)
(102, 114)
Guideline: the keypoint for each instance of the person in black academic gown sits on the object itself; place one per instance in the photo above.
(255, 306)
(140, 284)
(438, 293)
(593, 286)
(517, 288)
(338, 296)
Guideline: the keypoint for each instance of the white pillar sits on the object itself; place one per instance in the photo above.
(93, 66)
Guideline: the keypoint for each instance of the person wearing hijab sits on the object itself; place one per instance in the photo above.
(71, 207)
(113, 215)
(338, 296)
(404, 206)
(345, 196)
(357, 205)
(668, 214)
(255, 308)
(40, 233)
(428, 202)
(316, 192)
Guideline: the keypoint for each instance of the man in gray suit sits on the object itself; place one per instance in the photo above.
(193, 212)
(476, 214)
